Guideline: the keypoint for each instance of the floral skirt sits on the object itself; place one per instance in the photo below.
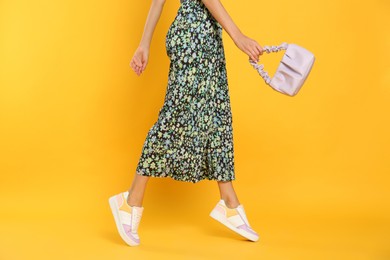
(192, 138)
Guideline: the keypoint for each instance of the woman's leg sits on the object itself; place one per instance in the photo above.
(137, 190)
(235, 217)
(228, 194)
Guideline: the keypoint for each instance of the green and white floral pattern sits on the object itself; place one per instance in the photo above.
(192, 139)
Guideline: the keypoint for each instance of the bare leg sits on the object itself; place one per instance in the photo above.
(239, 225)
(137, 190)
(228, 194)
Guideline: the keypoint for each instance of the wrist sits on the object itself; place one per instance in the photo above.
(144, 45)
(236, 36)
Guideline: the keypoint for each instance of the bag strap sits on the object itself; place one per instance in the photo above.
(275, 48)
(260, 67)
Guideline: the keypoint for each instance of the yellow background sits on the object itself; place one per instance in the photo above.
(313, 171)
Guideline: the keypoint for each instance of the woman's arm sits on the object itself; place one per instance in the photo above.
(141, 55)
(244, 43)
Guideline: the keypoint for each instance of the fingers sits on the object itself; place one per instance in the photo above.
(137, 65)
(254, 54)
(249, 47)
(133, 65)
(257, 50)
(139, 61)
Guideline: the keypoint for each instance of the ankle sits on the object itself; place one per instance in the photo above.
(134, 203)
(231, 203)
(134, 200)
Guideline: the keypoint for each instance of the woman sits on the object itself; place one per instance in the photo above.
(192, 139)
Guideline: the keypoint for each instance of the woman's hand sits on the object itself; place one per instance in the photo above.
(140, 60)
(249, 46)
(246, 44)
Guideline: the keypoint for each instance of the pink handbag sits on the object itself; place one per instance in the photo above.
(293, 69)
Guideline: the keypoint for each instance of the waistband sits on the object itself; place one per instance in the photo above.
(199, 2)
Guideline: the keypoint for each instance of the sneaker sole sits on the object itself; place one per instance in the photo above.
(115, 213)
(222, 219)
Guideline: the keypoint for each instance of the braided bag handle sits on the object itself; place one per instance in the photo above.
(260, 67)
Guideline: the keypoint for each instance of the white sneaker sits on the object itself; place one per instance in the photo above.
(235, 219)
(127, 218)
